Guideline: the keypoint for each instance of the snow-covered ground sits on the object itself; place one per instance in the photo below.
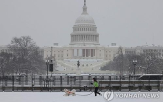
(58, 97)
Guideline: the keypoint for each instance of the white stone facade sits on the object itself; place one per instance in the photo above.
(81, 52)
(4, 49)
(156, 51)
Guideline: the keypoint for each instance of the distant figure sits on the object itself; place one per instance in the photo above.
(95, 84)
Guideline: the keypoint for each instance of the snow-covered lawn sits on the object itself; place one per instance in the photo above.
(58, 97)
(47, 97)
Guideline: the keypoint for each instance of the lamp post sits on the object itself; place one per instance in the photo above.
(47, 64)
(51, 67)
(134, 63)
(47, 81)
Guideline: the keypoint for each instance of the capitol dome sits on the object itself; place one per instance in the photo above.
(84, 30)
(85, 19)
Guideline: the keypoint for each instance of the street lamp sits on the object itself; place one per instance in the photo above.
(134, 63)
(47, 64)
(51, 67)
(47, 83)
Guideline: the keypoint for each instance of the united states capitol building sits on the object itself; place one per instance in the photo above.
(84, 46)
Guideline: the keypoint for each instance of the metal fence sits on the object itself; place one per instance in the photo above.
(80, 83)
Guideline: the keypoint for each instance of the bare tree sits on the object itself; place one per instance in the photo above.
(151, 64)
(5, 59)
(27, 55)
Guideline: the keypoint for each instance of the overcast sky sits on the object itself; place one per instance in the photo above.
(125, 22)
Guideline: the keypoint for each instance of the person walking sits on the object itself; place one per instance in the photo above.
(95, 84)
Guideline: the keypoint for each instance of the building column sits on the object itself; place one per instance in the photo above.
(94, 52)
(88, 37)
(77, 37)
(80, 37)
(77, 52)
(85, 52)
(96, 38)
(91, 38)
(74, 38)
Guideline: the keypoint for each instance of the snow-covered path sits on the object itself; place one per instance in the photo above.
(58, 97)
